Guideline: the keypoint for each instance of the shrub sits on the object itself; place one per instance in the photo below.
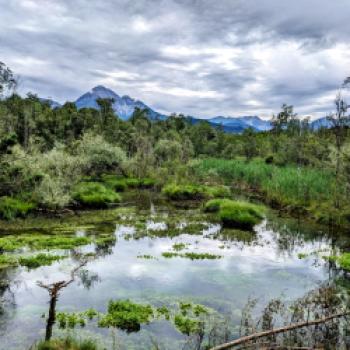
(94, 194)
(12, 207)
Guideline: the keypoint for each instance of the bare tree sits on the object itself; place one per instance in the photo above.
(339, 120)
(54, 290)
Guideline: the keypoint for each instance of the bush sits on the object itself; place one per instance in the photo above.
(94, 194)
(236, 213)
(12, 207)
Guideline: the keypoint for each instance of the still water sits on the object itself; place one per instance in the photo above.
(271, 262)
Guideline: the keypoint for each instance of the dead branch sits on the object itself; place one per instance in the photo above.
(255, 336)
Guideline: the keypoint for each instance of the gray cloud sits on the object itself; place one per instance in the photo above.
(199, 57)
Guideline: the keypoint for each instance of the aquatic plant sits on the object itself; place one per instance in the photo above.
(179, 246)
(126, 315)
(187, 325)
(193, 192)
(68, 343)
(94, 194)
(191, 255)
(236, 213)
(39, 260)
(11, 208)
(344, 261)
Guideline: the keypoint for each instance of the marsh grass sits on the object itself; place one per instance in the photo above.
(38, 260)
(95, 194)
(236, 213)
(11, 208)
(68, 343)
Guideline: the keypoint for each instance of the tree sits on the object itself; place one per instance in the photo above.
(340, 121)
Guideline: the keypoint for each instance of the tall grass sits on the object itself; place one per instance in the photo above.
(286, 186)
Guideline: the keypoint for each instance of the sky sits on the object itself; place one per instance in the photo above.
(198, 57)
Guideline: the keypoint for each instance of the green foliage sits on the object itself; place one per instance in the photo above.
(94, 194)
(126, 315)
(38, 260)
(7, 260)
(193, 192)
(12, 243)
(187, 325)
(12, 207)
(68, 343)
(236, 213)
(344, 261)
(191, 255)
(179, 246)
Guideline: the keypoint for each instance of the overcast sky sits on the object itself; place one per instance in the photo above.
(198, 57)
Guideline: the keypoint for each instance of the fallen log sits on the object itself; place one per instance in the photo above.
(258, 335)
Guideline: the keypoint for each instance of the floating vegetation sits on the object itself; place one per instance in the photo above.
(126, 315)
(38, 260)
(179, 246)
(145, 256)
(191, 255)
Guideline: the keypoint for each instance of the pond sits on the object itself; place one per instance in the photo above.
(281, 258)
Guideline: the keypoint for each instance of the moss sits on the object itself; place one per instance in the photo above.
(126, 315)
(68, 343)
(236, 213)
(94, 194)
(11, 208)
(38, 260)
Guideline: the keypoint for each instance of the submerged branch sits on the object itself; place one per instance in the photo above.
(255, 336)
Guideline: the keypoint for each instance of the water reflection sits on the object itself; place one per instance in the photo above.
(263, 265)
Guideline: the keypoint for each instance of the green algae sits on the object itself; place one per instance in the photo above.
(38, 260)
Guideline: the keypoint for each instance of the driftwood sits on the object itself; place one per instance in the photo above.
(258, 335)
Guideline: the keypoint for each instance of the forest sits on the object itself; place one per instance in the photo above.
(63, 165)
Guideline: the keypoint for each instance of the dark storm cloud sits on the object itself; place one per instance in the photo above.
(198, 57)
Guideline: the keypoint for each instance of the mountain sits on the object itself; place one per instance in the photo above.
(321, 123)
(123, 106)
(241, 123)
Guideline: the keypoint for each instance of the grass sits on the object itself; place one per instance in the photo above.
(120, 184)
(193, 192)
(237, 214)
(95, 194)
(284, 185)
(38, 260)
(11, 208)
(68, 343)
